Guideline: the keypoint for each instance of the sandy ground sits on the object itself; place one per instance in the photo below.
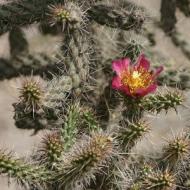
(23, 143)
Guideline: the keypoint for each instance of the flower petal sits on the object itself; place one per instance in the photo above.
(143, 62)
(157, 72)
(125, 90)
(120, 65)
(143, 92)
(116, 83)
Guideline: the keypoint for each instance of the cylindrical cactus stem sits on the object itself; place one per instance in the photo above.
(31, 112)
(88, 120)
(135, 186)
(67, 13)
(31, 12)
(87, 158)
(173, 77)
(132, 174)
(18, 42)
(70, 128)
(58, 14)
(159, 180)
(184, 6)
(57, 92)
(117, 17)
(157, 103)
(20, 13)
(132, 47)
(133, 112)
(26, 174)
(31, 94)
(41, 119)
(50, 150)
(175, 151)
(133, 50)
(75, 44)
(168, 17)
(131, 133)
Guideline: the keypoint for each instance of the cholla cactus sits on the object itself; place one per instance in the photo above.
(84, 149)
(177, 150)
(31, 95)
(67, 13)
(163, 101)
(130, 133)
(25, 174)
(159, 181)
(50, 150)
(59, 13)
(86, 159)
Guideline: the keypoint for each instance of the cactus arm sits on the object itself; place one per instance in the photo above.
(25, 174)
(20, 13)
(116, 18)
(26, 12)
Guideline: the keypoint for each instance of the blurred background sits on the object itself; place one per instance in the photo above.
(172, 42)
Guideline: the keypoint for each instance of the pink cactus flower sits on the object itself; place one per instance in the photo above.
(135, 80)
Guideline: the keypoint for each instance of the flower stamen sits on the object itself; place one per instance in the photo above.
(136, 79)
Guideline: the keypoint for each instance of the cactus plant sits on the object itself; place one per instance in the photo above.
(93, 124)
